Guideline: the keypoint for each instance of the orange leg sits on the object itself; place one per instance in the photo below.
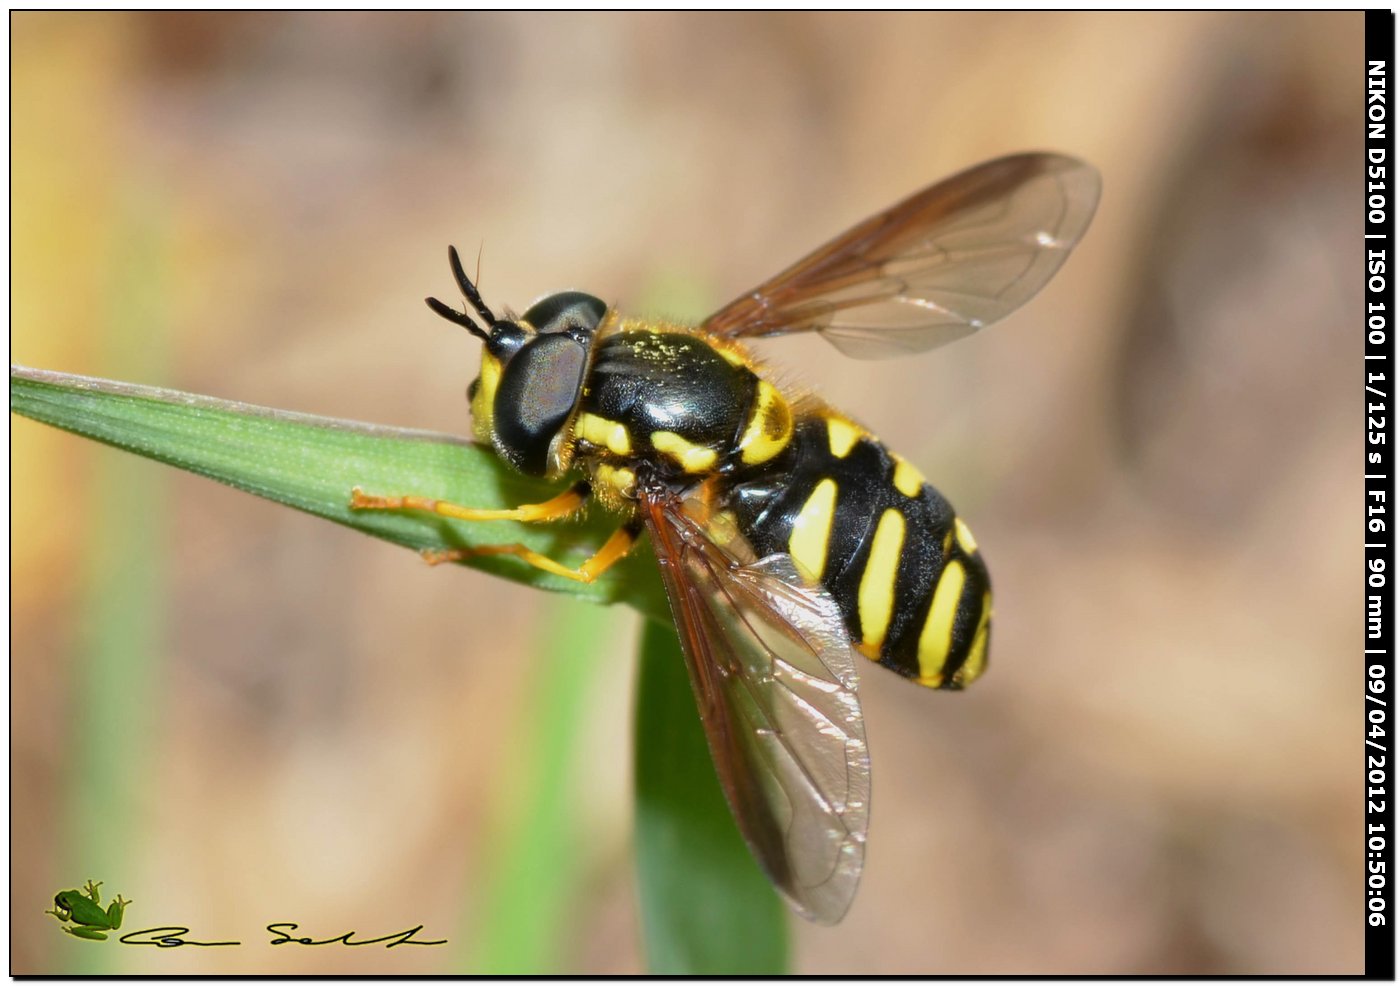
(612, 551)
(557, 508)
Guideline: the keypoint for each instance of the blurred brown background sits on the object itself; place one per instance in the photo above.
(1159, 457)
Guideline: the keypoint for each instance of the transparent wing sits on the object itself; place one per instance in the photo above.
(774, 677)
(938, 266)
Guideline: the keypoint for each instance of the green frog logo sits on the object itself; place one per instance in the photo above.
(81, 913)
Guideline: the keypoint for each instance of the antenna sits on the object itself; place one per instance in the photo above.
(473, 297)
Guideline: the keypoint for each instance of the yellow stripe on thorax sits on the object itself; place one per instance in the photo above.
(770, 426)
(877, 582)
(731, 355)
(937, 636)
(611, 435)
(618, 479)
(811, 531)
(688, 455)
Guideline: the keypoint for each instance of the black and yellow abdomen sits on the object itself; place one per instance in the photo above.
(903, 568)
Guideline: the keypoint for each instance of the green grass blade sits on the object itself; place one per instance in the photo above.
(119, 661)
(311, 463)
(533, 863)
(119, 657)
(706, 906)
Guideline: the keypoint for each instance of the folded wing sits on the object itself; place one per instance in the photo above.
(774, 678)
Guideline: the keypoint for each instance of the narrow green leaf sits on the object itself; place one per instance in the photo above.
(533, 860)
(706, 907)
(118, 655)
(312, 463)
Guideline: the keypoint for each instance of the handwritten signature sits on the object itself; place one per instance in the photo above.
(173, 936)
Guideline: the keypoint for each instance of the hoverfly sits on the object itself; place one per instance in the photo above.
(788, 537)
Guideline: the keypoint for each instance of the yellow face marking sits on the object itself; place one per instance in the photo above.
(484, 403)
(812, 529)
(688, 455)
(976, 662)
(876, 594)
(907, 479)
(937, 635)
(770, 426)
(947, 542)
(965, 540)
(842, 436)
(611, 435)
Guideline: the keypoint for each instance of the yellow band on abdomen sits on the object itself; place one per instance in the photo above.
(937, 636)
(811, 531)
(877, 583)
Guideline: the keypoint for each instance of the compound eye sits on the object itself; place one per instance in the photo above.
(568, 311)
(537, 393)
